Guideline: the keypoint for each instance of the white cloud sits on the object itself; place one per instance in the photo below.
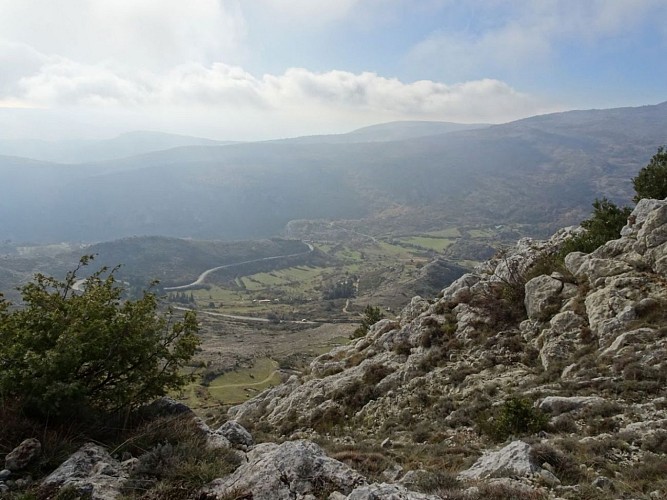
(169, 63)
(297, 92)
(155, 34)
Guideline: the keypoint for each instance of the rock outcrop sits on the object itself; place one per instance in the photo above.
(91, 471)
(294, 469)
(585, 342)
(23, 454)
(513, 460)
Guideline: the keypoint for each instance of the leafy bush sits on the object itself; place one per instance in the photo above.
(514, 418)
(651, 182)
(371, 316)
(65, 352)
(604, 225)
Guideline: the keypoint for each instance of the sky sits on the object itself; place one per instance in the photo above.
(259, 69)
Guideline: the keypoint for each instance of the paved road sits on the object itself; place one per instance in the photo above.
(374, 239)
(203, 275)
(244, 318)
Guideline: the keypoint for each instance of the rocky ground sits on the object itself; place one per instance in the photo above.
(529, 378)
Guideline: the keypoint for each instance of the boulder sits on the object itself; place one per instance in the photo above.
(653, 232)
(557, 405)
(291, 470)
(512, 460)
(459, 290)
(542, 297)
(21, 456)
(166, 406)
(639, 215)
(236, 434)
(93, 471)
(561, 339)
(416, 306)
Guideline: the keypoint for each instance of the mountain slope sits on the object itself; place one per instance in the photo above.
(386, 132)
(569, 362)
(541, 172)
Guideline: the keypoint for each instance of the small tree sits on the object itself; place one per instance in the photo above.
(371, 316)
(651, 182)
(65, 352)
(605, 224)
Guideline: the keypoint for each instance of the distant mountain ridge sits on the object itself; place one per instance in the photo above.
(386, 132)
(541, 172)
(122, 146)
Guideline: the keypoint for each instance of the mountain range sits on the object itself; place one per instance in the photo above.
(541, 172)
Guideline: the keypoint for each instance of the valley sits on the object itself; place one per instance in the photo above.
(280, 245)
(266, 317)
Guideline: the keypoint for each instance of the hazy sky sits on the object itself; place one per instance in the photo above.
(252, 69)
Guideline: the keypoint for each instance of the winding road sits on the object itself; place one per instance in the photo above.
(203, 275)
(244, 318)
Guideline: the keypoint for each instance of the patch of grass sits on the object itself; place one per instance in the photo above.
(237, 386)
(174, 460)
(428, 242)
(450, 232)
(565, 466)
(370, 463)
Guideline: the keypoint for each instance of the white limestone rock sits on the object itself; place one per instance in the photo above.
(91, 470)
(543, 297)
(512, 460)
(416, 306)
(561, 339)
(459, 290)
(557, 405)
(386, 491)
(639, 215)
(291, 470)
(236, 434)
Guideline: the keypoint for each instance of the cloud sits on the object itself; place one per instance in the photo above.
(485, 100)
(511, 34)
(154, 34)
(312, 13)
(61, 82)
(172, 63)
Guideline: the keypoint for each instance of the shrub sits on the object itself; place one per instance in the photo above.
(565, 466)
(651, 182)
(66, 352)
(604, 225)
(515, 417)
(371, 316)
(368, 462)
(174, 460)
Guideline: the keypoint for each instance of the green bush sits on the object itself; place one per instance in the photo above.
(604, 225)
(651, 182)
(65, 352)
(371, 316)
(515, 417)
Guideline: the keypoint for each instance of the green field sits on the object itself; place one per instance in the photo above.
(237, 386)
(450, 232)
(481, 233)
(429, 242)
